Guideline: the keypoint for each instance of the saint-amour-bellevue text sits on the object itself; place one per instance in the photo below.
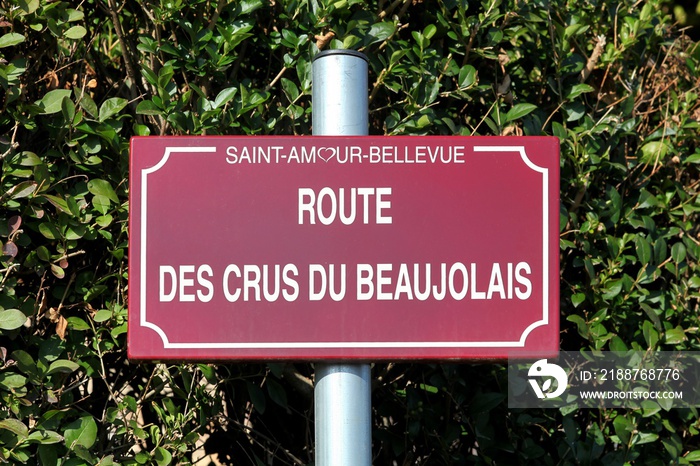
(270, 283)
(373, 154)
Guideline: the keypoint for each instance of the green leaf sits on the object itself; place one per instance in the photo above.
(665, 403)
(103, 315)
(428, 388)
(485, 402)
(147, 107)
(173, 410)
(518, 111)
(76, 323)
(12, 380)
(28, 6)
(75, 15)
(654, 151)
(162, 456)
(225, 96)
(111, 107)
(84, 454)
(423, 121)
(22, 190)
(100, 187)
(75, 232)
(574, 29)
(141, 130)
(25, 362)
(58, 271)
(10, 39)
(68, 110)
(558, 130)
(73, 206)
(209, 372)
(678, 252)
(49, 231)
(289, 39)
(574, 111)
(277, 392)
(623, 428)
(643, 249)
(76, 32)
(101, 204)
(95, 291)
(467, 76)
(579, 89)
(30, 159)
(58, 202)
(47, 455)
(15, 426)
(290, 89)
(694, 282)
(577, 299)
(118, 330)
(248, 6)
(51, 349)
(257, 397)
(81, 432)
(45, 437)
(165, 74)
(11, 319)
(675, 336)
(581, 324)
(53, 100)
(155, 434)
(650, 332)
(612, 289)
(87, 104)
(104, 220)
(150, 76)
(649, 408)
(617, 344)
(62, 366)
(644, 437)
(380, 32)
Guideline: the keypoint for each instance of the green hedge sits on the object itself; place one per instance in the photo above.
(613, 80)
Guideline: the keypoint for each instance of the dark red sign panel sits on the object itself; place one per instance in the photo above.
(326, 248)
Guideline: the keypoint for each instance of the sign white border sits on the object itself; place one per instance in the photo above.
(354, 344)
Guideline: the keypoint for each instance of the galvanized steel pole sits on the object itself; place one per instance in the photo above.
(342, 397)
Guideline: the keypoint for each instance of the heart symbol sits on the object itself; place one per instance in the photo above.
(327, 153)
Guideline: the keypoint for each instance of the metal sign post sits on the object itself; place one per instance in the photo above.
(342, 396)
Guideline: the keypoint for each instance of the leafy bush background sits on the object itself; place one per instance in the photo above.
(613, 80)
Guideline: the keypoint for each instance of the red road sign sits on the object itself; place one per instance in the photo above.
(326, 248)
